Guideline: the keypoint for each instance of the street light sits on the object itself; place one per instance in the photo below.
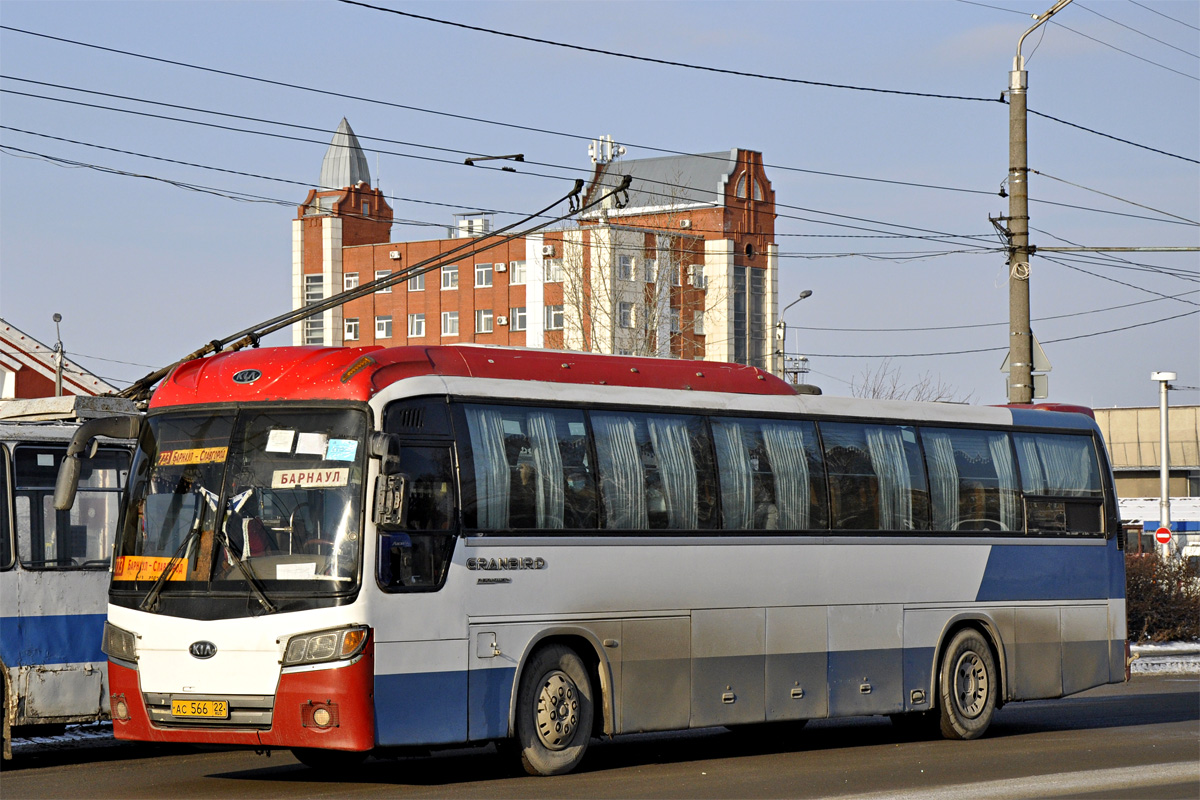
(781, 328)
(1164, 454)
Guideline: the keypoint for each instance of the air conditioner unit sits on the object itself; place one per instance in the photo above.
(501, 320)
(500, 266)
(685, 223)
(394, 255)
(547, 249)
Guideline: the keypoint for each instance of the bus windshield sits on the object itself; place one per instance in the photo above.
(266, 496)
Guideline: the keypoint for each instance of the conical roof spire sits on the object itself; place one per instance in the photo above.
(345, 164)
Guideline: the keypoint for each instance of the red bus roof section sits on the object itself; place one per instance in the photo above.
(358, 373)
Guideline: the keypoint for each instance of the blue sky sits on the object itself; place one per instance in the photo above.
(144, 271)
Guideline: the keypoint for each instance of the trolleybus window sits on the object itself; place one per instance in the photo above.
(78, 538)
(6, 543)
(876, 478)
(972, 480)
(532, 469)
(772, 475)
(655, 471)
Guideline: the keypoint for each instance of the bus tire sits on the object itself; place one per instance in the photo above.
(554, 711)
(328, 760)
(967, 686)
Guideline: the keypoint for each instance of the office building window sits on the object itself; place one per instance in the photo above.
(351, 334)
(349, 280)
(449, 323)
(483, 275)
(554, 270)
(625, 315)
(516, 272)
(516, 318)
(625, 268)
(416, 326)
(554, 318)
(417, 283)
(383, 327)
(450, 276)
(383, 273)
(483, 320)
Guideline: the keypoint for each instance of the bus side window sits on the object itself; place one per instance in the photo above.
(876, 477)
(771, 474)
(1061, 479)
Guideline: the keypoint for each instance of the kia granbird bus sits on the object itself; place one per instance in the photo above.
(340, 551)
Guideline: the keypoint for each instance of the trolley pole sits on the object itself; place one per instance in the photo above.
(1020, 334)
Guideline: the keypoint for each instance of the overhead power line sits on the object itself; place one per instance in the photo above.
(664, 62)
(1165, 16)
(1135, 30)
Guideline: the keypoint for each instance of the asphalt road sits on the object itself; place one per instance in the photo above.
(1138, 740)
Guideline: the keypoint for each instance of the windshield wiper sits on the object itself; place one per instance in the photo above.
(150, 601)
(259, 593)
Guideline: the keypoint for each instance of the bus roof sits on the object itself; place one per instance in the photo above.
(357, 373)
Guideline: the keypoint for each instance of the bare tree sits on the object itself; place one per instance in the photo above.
(636, 288)
(886, 382)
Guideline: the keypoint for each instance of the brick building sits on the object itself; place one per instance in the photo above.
(28, 369)
(684, 266)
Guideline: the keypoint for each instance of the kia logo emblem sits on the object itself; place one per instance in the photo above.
(203, 649)
(247, 376)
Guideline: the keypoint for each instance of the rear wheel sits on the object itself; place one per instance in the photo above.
(554, 711)
(324, 760)
(967, 686)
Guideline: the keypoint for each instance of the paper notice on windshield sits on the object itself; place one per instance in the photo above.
(147, 568)
(312, 444)
(280, 441)
(341, 450)
(309, 478)
(295, 572)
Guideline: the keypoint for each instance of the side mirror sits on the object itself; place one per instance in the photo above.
(391, 502)
(84, 441)
(385, 447)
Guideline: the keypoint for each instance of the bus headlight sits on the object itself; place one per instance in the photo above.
(321, 646)
(118, 643)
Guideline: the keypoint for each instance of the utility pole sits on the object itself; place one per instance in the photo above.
(1020, 336)
(60, 353)
(1164, 455)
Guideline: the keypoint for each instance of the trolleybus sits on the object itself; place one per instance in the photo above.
(54, 564)
(341, 551)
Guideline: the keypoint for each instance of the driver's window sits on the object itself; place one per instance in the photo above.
(417, 557)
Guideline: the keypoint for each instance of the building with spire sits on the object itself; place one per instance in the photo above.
(684, 265)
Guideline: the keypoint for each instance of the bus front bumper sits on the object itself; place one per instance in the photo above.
(331, 708)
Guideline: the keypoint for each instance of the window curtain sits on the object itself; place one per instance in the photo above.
(1068, 462)
(486, 427)
(1034, 476)
(886, 449)
(671, 441)
(943, 479)
(547, 460)
(622, 477)
(789, 461)
(1006, 474)
(733, 464)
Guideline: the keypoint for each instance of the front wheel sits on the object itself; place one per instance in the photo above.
(554, 711)
(967, 686)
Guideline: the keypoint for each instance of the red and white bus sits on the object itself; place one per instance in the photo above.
(340, 551)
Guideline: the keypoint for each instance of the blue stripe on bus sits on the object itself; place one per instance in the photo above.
(421, 708)
(1052, 572)
(51, 639)
(490, 697)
